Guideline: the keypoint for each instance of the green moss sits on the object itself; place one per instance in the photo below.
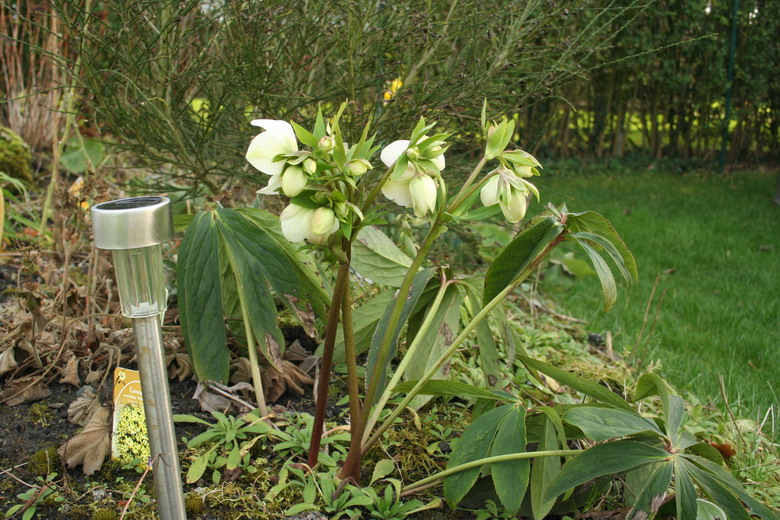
(78, 512)
(44, 461)
(104, 514)
(40, 414)
(194, 505)
(15, 156)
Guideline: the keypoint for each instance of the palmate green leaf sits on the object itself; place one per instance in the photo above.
(718, 492)
(727, 479)
(473, 445)
(418, 286)
(592, 222)
(651, 497)
(611, 250)
(608, 287)
(603, 459)
(200, 300)
(589, 388)
(488, 350)
(601, 424)
(544, 469)
(684, 490)
(440, 387)
(376, 257)
(252, 265)
(510, 478)
(309, 279)
(516, 259)
(444, 328)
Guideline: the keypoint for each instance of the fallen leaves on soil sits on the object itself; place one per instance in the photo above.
(90, 447)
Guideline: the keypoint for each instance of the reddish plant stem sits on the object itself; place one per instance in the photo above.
(327, 363)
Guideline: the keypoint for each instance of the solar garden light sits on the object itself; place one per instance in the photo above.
(134, 230)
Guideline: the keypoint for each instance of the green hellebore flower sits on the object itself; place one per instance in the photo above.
(508, 193)
(399, 189)
(315, 225)
(423, 190)
(277, 139)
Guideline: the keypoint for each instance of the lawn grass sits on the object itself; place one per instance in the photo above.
(717, 238)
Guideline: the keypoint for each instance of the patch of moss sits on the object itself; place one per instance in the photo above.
(104, 514)
(40, 414)
(44, 461)
(15, 156)
(194, 505)
(78, 512)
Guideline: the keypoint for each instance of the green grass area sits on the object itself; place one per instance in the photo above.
(717, 239)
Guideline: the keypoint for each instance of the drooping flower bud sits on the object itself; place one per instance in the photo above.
(514, 205)
(323, 224)
(326, 144)
(310, 166)
(489, 193)
(423, 191)
(296, 222)
(358, 167)
(293, 181)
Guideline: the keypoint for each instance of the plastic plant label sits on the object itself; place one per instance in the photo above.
(129, 442)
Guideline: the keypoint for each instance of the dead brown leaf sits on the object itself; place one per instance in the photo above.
(287, 377)
(7, 360)
(24, 390)
(215, 397)
(83, 407)
(90, 447)
(70, 374)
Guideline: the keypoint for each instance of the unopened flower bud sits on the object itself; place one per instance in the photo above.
(357, 168)
(423, 191)
(310, 166)
(342, 210)
(413, 153)
(293, 181)
(326, 144)
(322, 221)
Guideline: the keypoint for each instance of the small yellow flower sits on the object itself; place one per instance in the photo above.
(392, 89)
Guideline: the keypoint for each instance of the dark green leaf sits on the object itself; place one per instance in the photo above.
(200, 300)
(718, 492)
(376, 257)
(601, 424)
(518, 257)
(589, 388)
(544, 469)
(473, 445)
(651, 497)
(444, 328)
(418, 286)
(684, 490)
(601, 460)
(611, 250)
(608, 286)
(593, 222)
(441, 387)
(510, 478)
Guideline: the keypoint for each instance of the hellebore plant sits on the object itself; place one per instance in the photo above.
(330, 202)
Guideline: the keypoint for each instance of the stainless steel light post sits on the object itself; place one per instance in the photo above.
(134, 230)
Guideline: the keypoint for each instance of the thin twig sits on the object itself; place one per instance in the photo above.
(137, 487)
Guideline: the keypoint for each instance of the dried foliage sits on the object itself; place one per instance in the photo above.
(90, 447)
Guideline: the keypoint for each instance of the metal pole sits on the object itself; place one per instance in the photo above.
(159, 417)
(134, 229)
(730, 81)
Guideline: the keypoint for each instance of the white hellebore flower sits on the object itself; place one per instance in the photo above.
(508, 191)
(278, 139)
(315, 225)
(410, 189)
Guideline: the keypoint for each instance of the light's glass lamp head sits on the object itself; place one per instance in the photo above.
(134, 230)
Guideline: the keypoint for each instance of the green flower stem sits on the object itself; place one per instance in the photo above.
(352, 463)
(327, 362)
(254, 363)
(456, 344)
(462, 194)
(374, 193)
(406, 359)
(407, 490)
